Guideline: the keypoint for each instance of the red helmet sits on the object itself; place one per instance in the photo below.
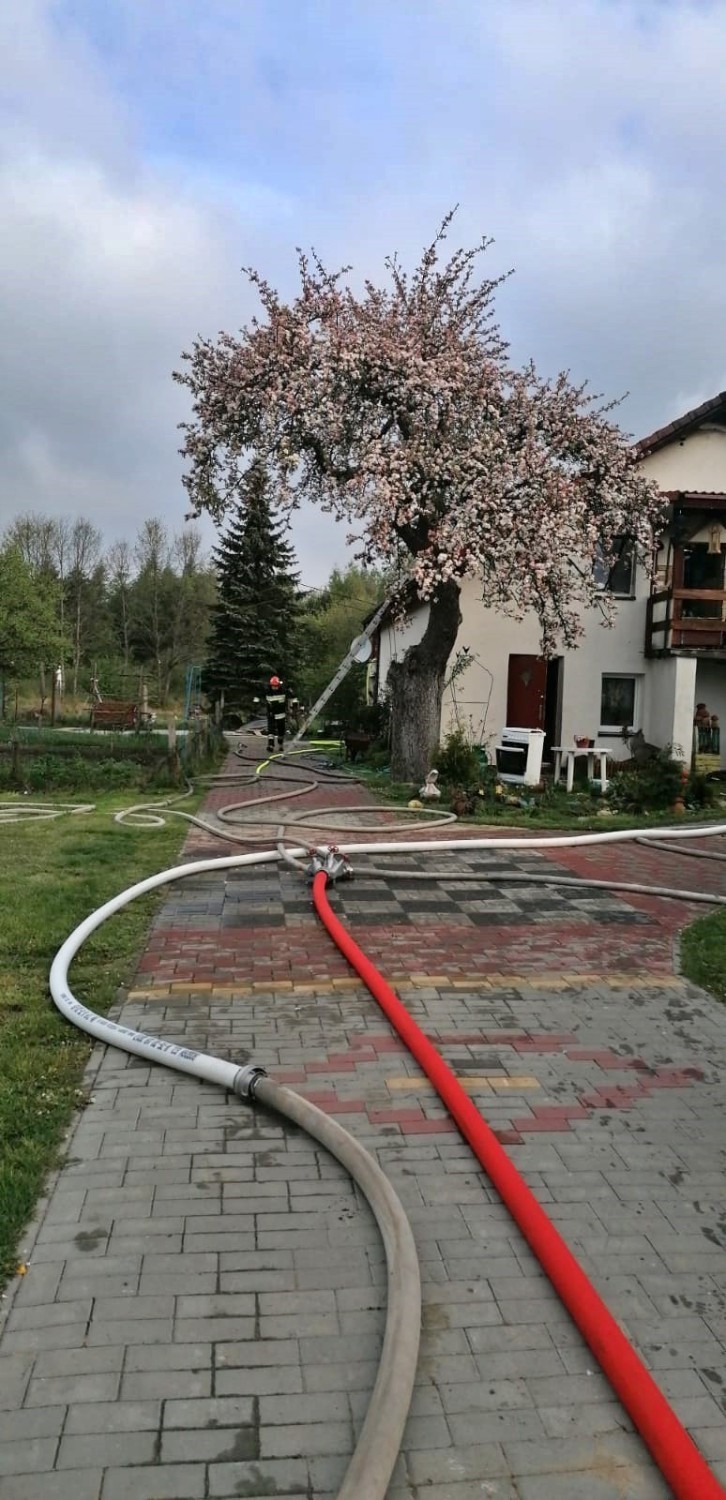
(274, 682)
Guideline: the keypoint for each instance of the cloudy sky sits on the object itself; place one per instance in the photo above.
(149, 148)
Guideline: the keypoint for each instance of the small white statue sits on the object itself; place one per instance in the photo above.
(430, 790)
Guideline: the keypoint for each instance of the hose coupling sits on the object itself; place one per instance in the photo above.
(246, 1080)
(329, 862)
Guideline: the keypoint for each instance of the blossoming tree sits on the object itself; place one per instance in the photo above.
(397, 410)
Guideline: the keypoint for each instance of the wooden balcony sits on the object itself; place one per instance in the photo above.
(686, 620)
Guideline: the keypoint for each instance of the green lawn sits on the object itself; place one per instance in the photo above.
(51, 876)
(703, 953)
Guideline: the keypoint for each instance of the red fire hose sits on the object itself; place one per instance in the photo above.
(674, 1451)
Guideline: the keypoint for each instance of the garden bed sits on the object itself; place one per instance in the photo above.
(46, 760)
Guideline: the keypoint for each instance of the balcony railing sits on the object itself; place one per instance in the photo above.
(707, 739)
(686, 620)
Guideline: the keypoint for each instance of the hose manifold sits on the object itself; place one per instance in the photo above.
(329, 862)
(246, 1080)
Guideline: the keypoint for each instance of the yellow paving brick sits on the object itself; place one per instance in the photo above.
(414, 1082)
(417, 981)
(512, 1082)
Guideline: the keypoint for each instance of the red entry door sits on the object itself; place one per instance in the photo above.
(526, 692)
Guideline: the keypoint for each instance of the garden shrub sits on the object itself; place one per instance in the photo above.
(651, 787)
(457, 762)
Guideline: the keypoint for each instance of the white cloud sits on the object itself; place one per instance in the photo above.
(147, 152)
(109, 267)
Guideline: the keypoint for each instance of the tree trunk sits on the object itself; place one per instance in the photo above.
(77, 644)
(125, 630)
(417, 684)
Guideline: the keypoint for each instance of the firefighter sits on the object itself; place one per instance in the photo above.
(276, 700)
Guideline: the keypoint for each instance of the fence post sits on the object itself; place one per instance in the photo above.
(174, 765)
(16, 765)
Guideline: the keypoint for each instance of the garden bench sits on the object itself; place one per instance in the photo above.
(113, 713)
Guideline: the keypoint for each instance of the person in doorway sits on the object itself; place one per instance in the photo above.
(276, 701)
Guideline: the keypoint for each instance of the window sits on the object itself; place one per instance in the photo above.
(614, 571)
(619, 703)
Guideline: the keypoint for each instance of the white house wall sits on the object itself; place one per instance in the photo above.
(393, 643)
(491, 637)
(671, 695)
(697, 463)
(619, 650)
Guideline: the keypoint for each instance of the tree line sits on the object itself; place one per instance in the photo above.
(110, 612)
(146, 609)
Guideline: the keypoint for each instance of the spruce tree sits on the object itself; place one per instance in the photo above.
(254, 623)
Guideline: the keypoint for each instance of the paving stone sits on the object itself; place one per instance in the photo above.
(282, 1476)
(260, 1381)
(38, 1422)
(574, 1455)
(306, 1409)
(112, 1417)
(106, 1450)
(30, 1341)
(164, 1385)
(212, 1412)
(69, 1389)
(78, 1484)
(31, 1455)
(169, 1357)
(225, 1444)
(500, 1488)
(590, 1419)
(49, 1314)
(104, 1360)
(289, 1441)
(640, 1486)
(166, 1482)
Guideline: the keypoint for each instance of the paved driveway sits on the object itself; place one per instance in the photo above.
(204, 1305)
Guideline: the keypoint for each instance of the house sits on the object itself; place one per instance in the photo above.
(661, 665)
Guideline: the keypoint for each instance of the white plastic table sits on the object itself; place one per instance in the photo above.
(593, 753)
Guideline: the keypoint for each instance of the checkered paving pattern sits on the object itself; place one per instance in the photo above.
(278, 898)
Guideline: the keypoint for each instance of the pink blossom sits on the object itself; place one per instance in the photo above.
(399, 412)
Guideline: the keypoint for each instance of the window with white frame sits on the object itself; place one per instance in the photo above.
(619, 702)
(614, 571)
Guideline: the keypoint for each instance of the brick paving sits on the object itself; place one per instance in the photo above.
(203, 1309)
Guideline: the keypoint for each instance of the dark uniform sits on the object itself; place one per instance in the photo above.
(276, 700)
